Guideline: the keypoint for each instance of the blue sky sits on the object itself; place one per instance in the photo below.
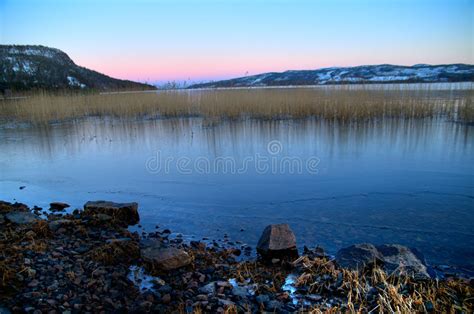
(200, 40)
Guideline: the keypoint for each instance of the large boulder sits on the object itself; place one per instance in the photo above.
(393, 258)
(277, 241)
(160, 258)
(358, 256)
(21, 218)
(122, 213)
(399, 259)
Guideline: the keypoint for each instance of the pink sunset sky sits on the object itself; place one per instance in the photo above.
(164, 40)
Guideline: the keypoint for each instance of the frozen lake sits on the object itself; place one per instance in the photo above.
(407, 182)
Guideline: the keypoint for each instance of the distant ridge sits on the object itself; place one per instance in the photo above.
(26, 67)
(366, 74)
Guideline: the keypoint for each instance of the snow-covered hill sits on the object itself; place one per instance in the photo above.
(26, 67)
(385, 73)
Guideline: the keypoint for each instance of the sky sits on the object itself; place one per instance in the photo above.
(201, 40)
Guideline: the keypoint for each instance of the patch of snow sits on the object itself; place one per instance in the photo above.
(284, 78)
(352, 79)
(246, 289)
(289, 286)
(141, 280)
(330, 68)
(28, 67)
(49, 53)
(259, 79)
(388, 78)
(72, 81)
(325, 76)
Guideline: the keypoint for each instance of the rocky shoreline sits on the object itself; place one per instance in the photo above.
(88, 261)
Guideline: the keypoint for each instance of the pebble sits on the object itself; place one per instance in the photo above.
(226, 302)
(165, 299)
(314, 297)
(201, 297)
(262, 298)
(210, 288)
(33, 283)
(224, 284)
(165, 289)
(273, 305)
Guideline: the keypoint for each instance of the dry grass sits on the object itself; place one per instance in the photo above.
(371, 291)
(115, 253)
(343, 103)
(378, 292)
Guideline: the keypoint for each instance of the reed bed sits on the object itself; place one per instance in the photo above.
(336, 102)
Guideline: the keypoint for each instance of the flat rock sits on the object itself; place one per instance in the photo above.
(239, 291)
(273, 305)
(21, 218)
(58, 206)
(393, 258)
(123, 213)
(262, 298)
(162, 258)
(277, 241)
(60, 223)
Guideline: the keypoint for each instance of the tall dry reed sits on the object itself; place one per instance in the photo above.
(338, 103)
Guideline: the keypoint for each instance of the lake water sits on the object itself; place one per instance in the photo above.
(407, 182)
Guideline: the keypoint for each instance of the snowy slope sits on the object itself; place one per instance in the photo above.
(385, 73)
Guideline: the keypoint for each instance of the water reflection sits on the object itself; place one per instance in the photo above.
(402, 181)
